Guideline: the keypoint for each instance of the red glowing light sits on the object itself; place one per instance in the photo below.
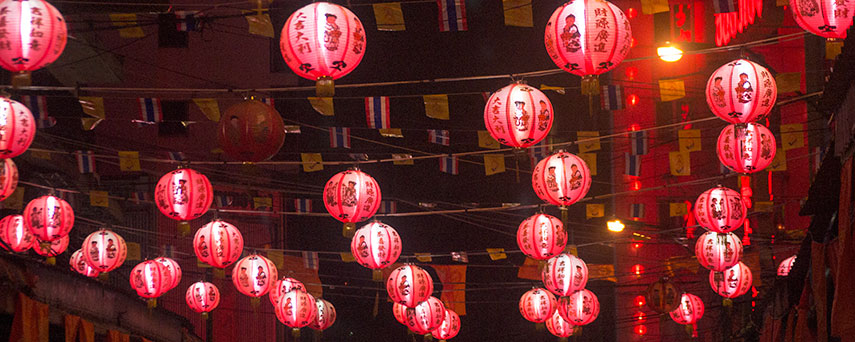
(633, 99)
(639, 300)
(631, 72)
(631, 13)
(640, 330)
(635, 185)
(634, 127)
(639, 316)
(636, 245)
(631, 42)
(637, 269)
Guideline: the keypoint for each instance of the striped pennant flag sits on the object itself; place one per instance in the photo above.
(38, 106)
(388, 207)
(636, 210)
(633, 165)
(140, 196)
(452, 15)
(302, 205)
(537, 152)
(638, 143)
(310, 260)
(340, 137)
(448, 164)
(177, 156)
(438, 136)
(377, 112)
(268, 101)
(724, 6)
(150, 110)
(186, 20)
(222, 201)
(85, 161)
(611, 97)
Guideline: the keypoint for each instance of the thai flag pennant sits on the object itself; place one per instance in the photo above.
(723, 170)
(460, 256)
(638, 142)
(140, 196)
(633, 165)
(177, 156)
(537, 152)
(150, 110)
(636, 210)
(438, 136)
(268, 101)
(186, 20)
(85, 161)
(388, 207)
(302, 205)
(339, 137)
(222, 201)
(611, 97)
(448, 164)
(377, 112)
(723, 6)
(169, 251)
(38, 106)
(452, 15)
(310, 260)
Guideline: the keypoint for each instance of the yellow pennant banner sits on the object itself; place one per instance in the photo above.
(680, 163)
(654, 6)
(595, 210)
(764, 207)
(209, 107)
(494, 163)
(588, 144)
(127, 24)
(436, 106)
(423, 257)
(779, 163)
(278, 258)
(389, 16)
(690, 140)
(518, 13)
(312, 162)
(323, 105)
(833, 49)
(677, 209)
(788, 82)
(402, 159)
(602, 272)
(591, 160)
(486, 140)
(129, 161)
(99, 199)
(259, 23)
(199, 263)
(670, 90)
(40, 154)
(497, 253)
(262, 203)
(792, 136)
(688, 263)
(347, 257)
(571, 249)
(134, 251)
(92, 106)
(391, 132)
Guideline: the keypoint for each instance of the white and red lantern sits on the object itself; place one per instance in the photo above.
(17, 128)
(565, 274)
(16, 237)
(400, 313)
(785, 266)
(105, 250)
(296, 309)
(733, 282)
(537, 305)
(79, 265)
(720, 210)
(718, 252)
(559, 327)
(50, 249)
(561, 179)
(352, 196)
(183, 194)
(202, 297)
(450, 326)
(691, 309)
(324, 315)
(251, 131)
(148, 279)
(8, 179)
(254, 275)
(376, 245)
(48, 218)
(282, 286)
(518, 115)
(541, 236)
(579, 308)
(746, 148)
(35, 35)
(426, 316)
(171, 270)
(825, 18)
(218, 243)
(409, 285)
(741, 91)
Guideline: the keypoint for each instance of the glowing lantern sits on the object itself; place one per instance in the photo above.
(409, 285)
(202, 297)
(105, 251)
(637, 269)
(322, 42)
(587, 37)
(783, 268)
(16, 129)
(691, 309)
(537, 305)
(746, 148)
(718, 252)
(376, 245)
(49, 218)
(15, 235)
(282, 286)
(741, 92)
(296, 309)
(561, 179)
(147, 278)
(8, 179)
(426, 316)
(558, 326)
(662, 296)
(171, 270)
(35, 35)
(352, 196)
(541, 236)
(400, 313)
(733, 282)
(450, 326)
(825, 18)
(639, 301)
(50, 249)
(518, 115)
(79, 265)
(579, 308)
(183, 194)
(720, 210)
(218, 243)
(640, 330)
(252, 275)
(251, 131)
(565, 274)
(324, 315)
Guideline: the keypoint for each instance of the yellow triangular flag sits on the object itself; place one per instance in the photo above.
(494, 163)
(571, 249)
(677, 209)
(99, 199)
(792, 136)
(486, 140)
(588, 144)
(788, 82)
(90, 123)
(278, 258)
(129, 160)
(219, 273)
(518, 13)
(134, 251)
(680, 163)
(15, 200)
(127, 24)
(209, 107)
(591, 160)
(670, 90)
(833, 49)
(763, 207)
(595, 210)
(347, 257)
(40, 154)
(92, 106)
(497, 253)
(779, 163)
(690, 140)
(391, 132)
(654, 6)
(559, 90)
(323, 105)
(602, 272)
(201, 264)
(259, 23)
(262, 203)
(312, 162)
(436, 106)
(402, 159)
(389, 16)
(423, 257)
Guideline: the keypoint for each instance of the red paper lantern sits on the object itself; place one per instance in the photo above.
(79, 265)
(450, 326)
(426, 316)
(16, 128)
(691, 309)
(8, 179)
(579, 308)
(587, 37)
(218, 243)
(35, 35)
(50, 249)
(252, 275)
(202, 297)
(537, 305)
(105, 250)
(746, 148)
(183, 194)
(49, 218)
(785, 266)
(718, 252)
(148, 279)
(558, 326)
(251, 131)
(733, 282)
(541, 236)
(296, 309)
(720, 210)
(352, 196)
(825, 18)
(400, 313)
(518, 115)
(282, 286)
(15, 235)
(376, 245)
(409, 285)
(324, 315)
(561, 179)
(171, 270)
(662, 296)
(741, 92)
(565, 274)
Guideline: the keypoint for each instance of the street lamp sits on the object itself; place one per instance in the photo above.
(669, 52)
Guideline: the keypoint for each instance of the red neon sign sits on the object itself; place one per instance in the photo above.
(727, 25)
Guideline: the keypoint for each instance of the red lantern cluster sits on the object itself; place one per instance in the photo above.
(202, 297)
(733, 282)
(218, 243)
(324, 315)
(79, 265)
(296, 309)
(565, 274)
(183, 194)
(537, 305)
(746, 148)
(720, 210)
(8, 179)
(376, 245)
(785, 266)
(579, 308)
(559, 327)
(15, 235)
(35, 35)
(561, 179)
(251, 131)
(352, 196)
(150, 280)
(825, 18)
(252, 275)
(691, 309)
(741, 92)
(426, 316)
(171, 270)
(518, 115)
(718, 252)
(409, 285)
(541, 236)
(49, 218)
(283, 286)
(50, 249)
(104, 250)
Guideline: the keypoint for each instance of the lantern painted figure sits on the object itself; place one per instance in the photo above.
(254, 275)
(746, 148)
(324, 315)
(537, 305)
(183, 194)
(296, 309)
(16, 237)
(518, 115)
(282, 286)
(559, 327)
(409, 285)
(105, 250)
(8, 179)
(741, 91)
(376, 245)
(718, 252)
(825, 18)
(50, 249)
(322, 42)
(785, 266)
(400, 313)
(662, 296)
(48, 218)
(733, 282)
(450, 326)
(35, 35)
(17, 128)
(352, 196)
(251, 131)
(218, 243)
(561, 179)
(541, 236)
(579, 308)
(691, 309)
(147, 278)
(720, 210)
(202, 297)
(171, 271)
(426, 316)
(564, 274)
(79, 265)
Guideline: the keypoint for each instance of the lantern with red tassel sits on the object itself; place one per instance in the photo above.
(746, 148)
(718, 252)
(171, 270)
(79, 265)
(147, 278)
(579, 308)
(296, 309)
(829, 19)
(252, 275)
(559, 327)
(282, 286)
(8, 179)
(561, 179)
(518, 115)
(426, 316)
(785, 266)
(218, 243)
(376, 245)
(450, 326)
(16, 237)
(409, 285)
(35, 35)
(183, 195)
(537, 305)
(51, 249)
(16, 127)
(720, 210)
(202, 297)
(352, 196)
(104, 250)
(691, 309)
(741, 91)
(324, 315)
(541, 236)
(733, 282)
(49, 218)
(251, 131)
(565, 274)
